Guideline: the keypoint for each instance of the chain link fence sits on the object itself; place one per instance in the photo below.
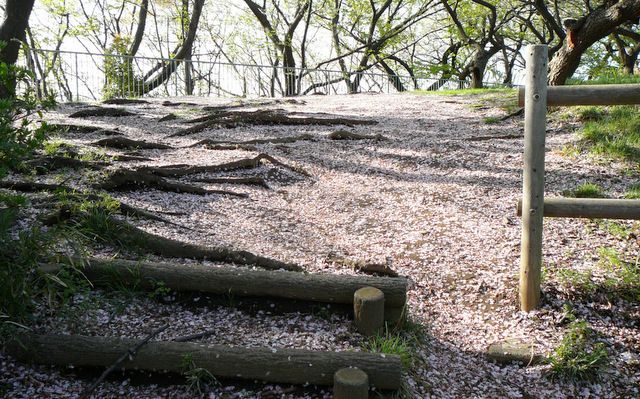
(84, 76)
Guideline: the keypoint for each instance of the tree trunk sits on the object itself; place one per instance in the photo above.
(167, 69)
(142, 22)
(12, 32)
(595, 26)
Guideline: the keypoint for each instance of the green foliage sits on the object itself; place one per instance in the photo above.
(19, 135)
(577, 357)
(616, 135)
(396, 341)
(120, 80)
(586, 190)
(633, 192)
(623, 279)
(491, 120)
(590, 113)
(22, 282)
(198, 378)
(608, 76)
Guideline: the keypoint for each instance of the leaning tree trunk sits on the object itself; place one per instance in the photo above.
(595, 26)
(13, 33)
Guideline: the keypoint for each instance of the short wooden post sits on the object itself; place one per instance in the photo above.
(535, 111)
(368, 310)
(350, 383)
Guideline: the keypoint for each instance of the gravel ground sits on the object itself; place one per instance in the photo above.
(436, 199)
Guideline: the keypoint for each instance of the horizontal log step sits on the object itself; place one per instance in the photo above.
(618, 94)
(243, 281)
(291, 366)
(592, 208)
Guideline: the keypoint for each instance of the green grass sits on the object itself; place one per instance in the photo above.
(613, 77)
(586, 190)
(615, 136)
(578, 358)
(198, 378)
(590, 113)
(490, 120)
(633, 192)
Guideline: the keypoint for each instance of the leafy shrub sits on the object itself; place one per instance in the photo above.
(120, 80)
(577, 357)
(19, 135)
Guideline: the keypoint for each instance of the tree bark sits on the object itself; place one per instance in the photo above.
(596, 25)
(165, 70)
(142, 22)
(13, 33)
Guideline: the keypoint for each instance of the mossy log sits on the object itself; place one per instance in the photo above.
(326, 288)
(290, 366)
(169, 248)
(133, 179)
(124, 143)
(99, 111)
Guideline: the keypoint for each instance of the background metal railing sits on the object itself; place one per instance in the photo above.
(82, 76)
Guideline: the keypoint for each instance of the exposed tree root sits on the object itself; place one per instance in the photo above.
(168, 117)
(98, 111)
(133, 179)
(229, 147)
(168, 103)
(245, 163)
(30, 187)
(376, 268)
(131, 235)
(346, 135)
(231, 119)
(518, 112)
(74, 128)
(502, 137)
(251, 180)
(280, 140)
(125, 101)
(50, 163)
(125, 158)
(125, 143)
(109, 132)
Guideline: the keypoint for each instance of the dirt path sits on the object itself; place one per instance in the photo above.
(435, 199)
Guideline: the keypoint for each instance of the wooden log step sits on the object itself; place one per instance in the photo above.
(243, 281)
(289, 366)
(592, 208)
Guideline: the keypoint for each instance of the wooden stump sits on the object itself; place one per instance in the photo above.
(368, 310)
(350, 383)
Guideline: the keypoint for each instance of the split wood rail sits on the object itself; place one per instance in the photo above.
(535, 97)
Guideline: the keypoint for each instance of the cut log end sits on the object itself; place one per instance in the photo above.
(350, 383)
(368, 310)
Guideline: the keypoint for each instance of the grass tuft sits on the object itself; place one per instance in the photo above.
(577, 357)
(633, 192)
(615, 135)
(586, 190)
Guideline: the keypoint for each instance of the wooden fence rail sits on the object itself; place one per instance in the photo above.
(535, 97)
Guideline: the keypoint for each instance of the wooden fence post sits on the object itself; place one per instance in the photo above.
(535, 111)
